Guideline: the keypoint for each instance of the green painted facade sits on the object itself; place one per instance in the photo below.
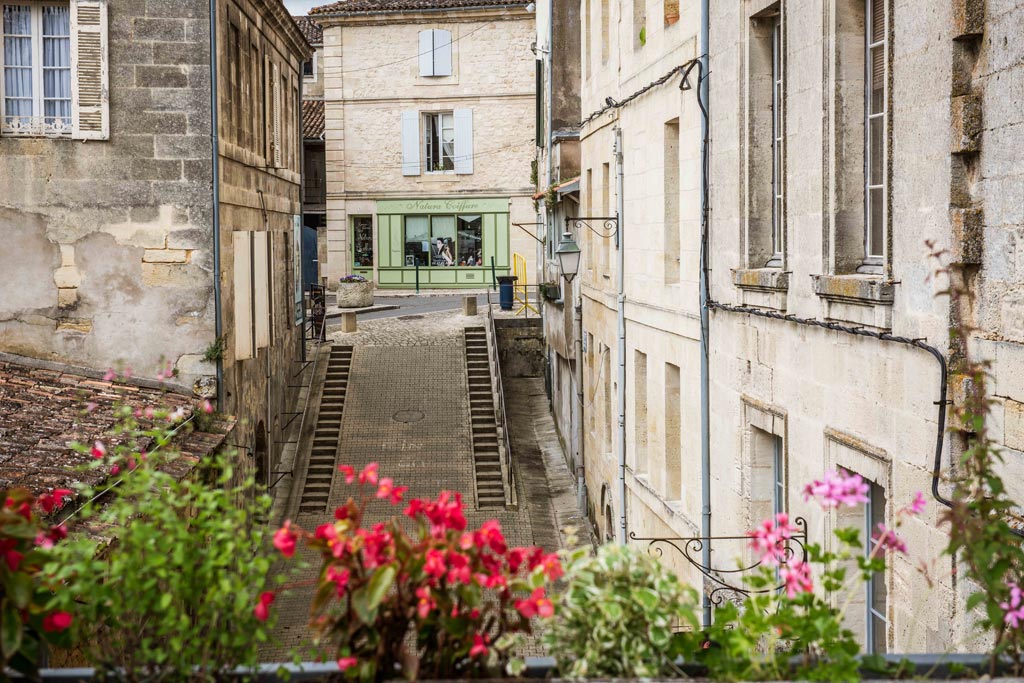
(392, 269)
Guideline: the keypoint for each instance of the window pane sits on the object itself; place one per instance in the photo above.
(442, 241)
(877, 20)
(362, 241)
(470, 241)
(876, 203)
(417, 240)
(17, 20)
(877, 609)
(17, 58)
(877, 94)
(876, 138)
(56, 21)
(448, 141)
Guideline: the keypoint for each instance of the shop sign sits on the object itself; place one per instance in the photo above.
(444, 205)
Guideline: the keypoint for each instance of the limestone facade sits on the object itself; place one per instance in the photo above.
(936, 121)
(373, 81)
(110, 255)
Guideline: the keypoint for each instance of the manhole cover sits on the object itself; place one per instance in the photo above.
(407, 416)
(410, 317)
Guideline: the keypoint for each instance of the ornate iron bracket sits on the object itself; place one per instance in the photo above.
(609, 223)
(692, 546)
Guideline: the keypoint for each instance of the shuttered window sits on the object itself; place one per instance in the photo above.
(252, 278)
(53, 61)
(435, 52)
(444, 140)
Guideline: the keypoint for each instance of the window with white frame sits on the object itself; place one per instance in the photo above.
(875, 93)
(435, 52)
(439, 141)
(876, 619)
(309, 68)
(777, 167)
(43, 90)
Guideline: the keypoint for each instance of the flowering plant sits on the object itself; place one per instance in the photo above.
(460, 597)
(785, 628)
(27, 622)
(353, 278)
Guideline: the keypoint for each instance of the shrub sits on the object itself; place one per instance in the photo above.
(617, 615)
(461, 598)
(172, 595)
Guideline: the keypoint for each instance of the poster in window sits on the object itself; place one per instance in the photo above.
(297, 265)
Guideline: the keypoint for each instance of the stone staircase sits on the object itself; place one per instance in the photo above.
(324, 451)
(490, 488)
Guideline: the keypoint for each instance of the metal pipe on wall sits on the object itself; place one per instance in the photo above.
(218, 320)
(705, 400)
(620, 244)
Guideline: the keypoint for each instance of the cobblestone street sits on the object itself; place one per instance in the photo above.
(413, 369)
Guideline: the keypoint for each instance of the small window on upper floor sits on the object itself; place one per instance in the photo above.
(44, 91)
(435, 52)
(309, 69)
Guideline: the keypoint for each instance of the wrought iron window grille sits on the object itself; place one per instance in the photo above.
(723, 579)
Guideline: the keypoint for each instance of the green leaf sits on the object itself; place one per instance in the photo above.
(20, 588)
(10, 630)
(647, 598)
(379, 585)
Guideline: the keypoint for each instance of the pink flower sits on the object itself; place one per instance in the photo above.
(56, 621)
(115, 470)
(916, 506)
(207, 406)
(838, 488)
(797, 578)
(537, 605)
(490, 536)
(480, 642)
(347, 662)
(339, 578)
(110, 375)
(53, 501)
(769, 540)
(349, 472)
(262, 609)
(128, 372)
(425, 604)
(435, 566)
(98, 450)
(888, 539)
(386, 486)
(284, 539)
(369, 474)
(1014, 608)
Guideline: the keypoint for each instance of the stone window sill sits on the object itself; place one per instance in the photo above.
(859, 299)
(762, 287)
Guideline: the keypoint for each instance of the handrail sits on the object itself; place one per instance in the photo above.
(511, 497)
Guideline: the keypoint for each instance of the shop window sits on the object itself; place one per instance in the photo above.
(362, 241)
(471, 242)
(444, 241)
(439, 140)
(435, 52)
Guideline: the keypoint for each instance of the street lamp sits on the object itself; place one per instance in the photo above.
(568, 254)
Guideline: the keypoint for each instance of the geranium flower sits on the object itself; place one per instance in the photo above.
(369, 474)
(425, 604)
(917, 505)
(262, 609)
(53, 501)
(284, 539)
(349, 472)
(347, 662)
(480, 642)
(340, 579)
(797, 578)
(769, 540)
(888, 539)
(1014, 608)
(838, 488)
(435, 566)
(57, 621)
(537, 605)
(490, 536)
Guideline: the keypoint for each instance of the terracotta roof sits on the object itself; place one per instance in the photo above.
(312, 30)
(373, 6)
(43, 411)
(312, 119)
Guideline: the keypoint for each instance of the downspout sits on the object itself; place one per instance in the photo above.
(621, 389)
(705, 400)
(218, 318)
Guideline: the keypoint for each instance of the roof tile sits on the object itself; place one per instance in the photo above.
(311, 29)
(312, 119)
(373, 6)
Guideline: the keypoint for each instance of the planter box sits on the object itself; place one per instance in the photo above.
(355, 294)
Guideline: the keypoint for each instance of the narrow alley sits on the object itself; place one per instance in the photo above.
(403, 401)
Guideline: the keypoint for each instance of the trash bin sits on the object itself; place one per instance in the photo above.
(506, 291)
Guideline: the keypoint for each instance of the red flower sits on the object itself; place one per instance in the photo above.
(397, 493)
(53, 501)
(369, 474)
(347, 662)
(349, 472)
(342, 512)
(490, 536)
(426, 603)
(339, 578)
(284, 539)
(98, 450)
(535, 605)
(13, 558)
(480, 642)
(434, 566)
(552, 567)
(56, 621)
(458, 568)
(387, 485)
(516, 557)
(262, 609)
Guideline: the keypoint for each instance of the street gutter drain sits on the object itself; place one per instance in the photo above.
(408, 416)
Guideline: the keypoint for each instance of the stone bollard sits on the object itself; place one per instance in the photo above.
(469, 305)
(348, 322)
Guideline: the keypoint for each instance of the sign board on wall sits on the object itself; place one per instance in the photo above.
(446, 205)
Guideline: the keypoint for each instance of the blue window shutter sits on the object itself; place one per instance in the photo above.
(410, 142)
(463, 141)
(442, 52)
(426, 53)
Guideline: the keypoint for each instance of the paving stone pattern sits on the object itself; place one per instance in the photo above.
(405, 369)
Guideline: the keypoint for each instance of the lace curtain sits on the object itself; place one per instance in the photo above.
(24, 26)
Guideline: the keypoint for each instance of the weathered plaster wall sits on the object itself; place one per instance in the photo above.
(107, 254)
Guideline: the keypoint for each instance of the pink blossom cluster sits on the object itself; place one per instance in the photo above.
(1014, 607)
(769, 539)
(838, 488)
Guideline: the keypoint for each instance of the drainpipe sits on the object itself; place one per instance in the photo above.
(705, 406)
(218, 324)
(581, 479)
(621, 392)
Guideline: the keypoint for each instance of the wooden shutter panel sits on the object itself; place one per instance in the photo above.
(261, 288)
(426, 53)
(90, 80)
(463, 141)
(241, 242)
(276, 125)
(410, 142)
(442, 52)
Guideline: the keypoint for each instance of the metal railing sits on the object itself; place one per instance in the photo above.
(511, 497)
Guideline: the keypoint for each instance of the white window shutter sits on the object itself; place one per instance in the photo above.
(241, 242)
(442, 52)
(426, 53)
(463, 141)
(261, 288)
(90, 80)
(410, 142)
(278, 156)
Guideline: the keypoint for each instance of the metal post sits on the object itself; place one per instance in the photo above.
(705, 405)
(494, 276)
(621, 392)
(581, 480)
(417, 261)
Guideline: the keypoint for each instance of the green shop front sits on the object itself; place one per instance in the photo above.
(445, 243)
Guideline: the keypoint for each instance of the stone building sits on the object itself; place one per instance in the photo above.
(429, 139)
(130, 241)
(314, 167)
(844, 136)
